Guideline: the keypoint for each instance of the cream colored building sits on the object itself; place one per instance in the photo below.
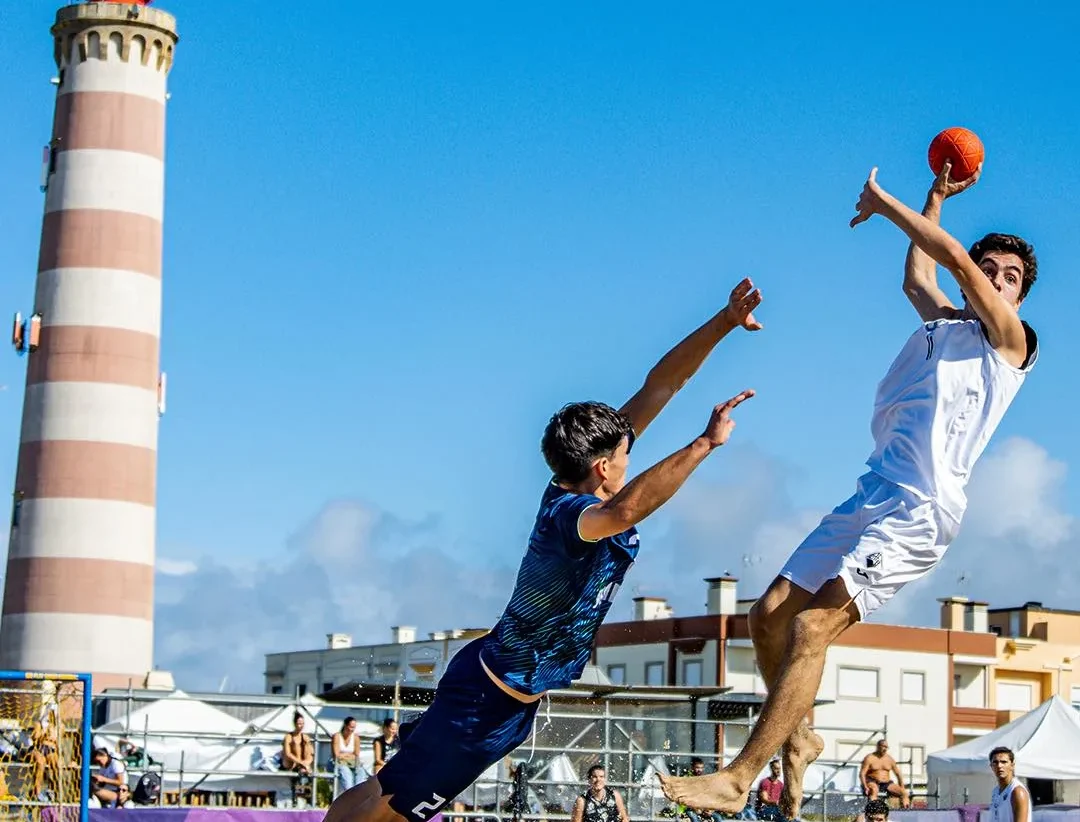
(924, 688)
(404, 659)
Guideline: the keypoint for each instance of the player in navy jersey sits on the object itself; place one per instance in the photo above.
(582, 544)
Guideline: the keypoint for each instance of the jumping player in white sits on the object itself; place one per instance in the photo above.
(934, 413)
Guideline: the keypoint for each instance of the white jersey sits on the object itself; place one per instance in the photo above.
(1001, 802)
(937, 407)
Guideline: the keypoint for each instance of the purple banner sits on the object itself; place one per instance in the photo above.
(209, 814)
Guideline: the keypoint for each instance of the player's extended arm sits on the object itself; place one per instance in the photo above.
(1002, 323)
(920, 271)
(682, 362)
(1021, 804)
(651, 489)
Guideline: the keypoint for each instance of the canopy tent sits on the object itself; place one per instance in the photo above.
(152, 727)
(261, 749)
(1044, 740)
(216, 741)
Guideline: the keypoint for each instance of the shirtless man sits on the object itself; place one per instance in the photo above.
(934, 413)
(876, 775)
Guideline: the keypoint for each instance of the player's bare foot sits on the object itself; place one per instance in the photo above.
(715, 792)
(797, 758)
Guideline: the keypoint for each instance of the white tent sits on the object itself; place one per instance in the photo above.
(1044, 740)
(260, 748)
(151, 727)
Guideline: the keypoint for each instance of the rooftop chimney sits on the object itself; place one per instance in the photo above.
(336, 641)
(722, 595)
(976, 618)
(402, 634)
(651, 608)
(953, 610)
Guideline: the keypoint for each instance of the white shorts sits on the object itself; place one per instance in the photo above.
(877, 542)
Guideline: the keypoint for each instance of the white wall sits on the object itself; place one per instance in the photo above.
(368, 663)
(969, 686)
(635, 658)
(742, 673)
(917, 723)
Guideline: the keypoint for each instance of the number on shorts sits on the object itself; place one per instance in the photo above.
(421, 810)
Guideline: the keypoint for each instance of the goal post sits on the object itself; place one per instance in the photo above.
(45, 745)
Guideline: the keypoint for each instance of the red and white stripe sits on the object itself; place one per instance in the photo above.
(79, 588)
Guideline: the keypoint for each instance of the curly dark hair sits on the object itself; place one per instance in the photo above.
(580, 433)
(875, 807)
(1011, 244)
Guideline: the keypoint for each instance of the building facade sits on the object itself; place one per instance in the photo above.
(923, 688)
(403, 659)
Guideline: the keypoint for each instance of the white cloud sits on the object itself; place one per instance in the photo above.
(352, 568)
(1016, 542)
(175, 567)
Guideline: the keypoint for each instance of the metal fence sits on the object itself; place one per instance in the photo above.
(634, 736)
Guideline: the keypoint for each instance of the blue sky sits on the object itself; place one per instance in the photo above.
(398, 238)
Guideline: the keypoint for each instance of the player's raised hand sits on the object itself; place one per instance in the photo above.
(945, 186)
(870, 200)
(721, 424)
(743, 300)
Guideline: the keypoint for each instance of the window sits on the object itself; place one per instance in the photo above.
(913, 687)
(913, 757)
(852, 752)
(1014, 623)
(969, 686)
(301, 689)
(275, 689)
(327, 686)
(617, 674)
(1014, 696)
(691, 672)
(1074, 696)
(857, 683)
(654, 673)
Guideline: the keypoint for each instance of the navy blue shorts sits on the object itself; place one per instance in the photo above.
(471, 725)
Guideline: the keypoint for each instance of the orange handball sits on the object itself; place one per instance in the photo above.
(961, 147)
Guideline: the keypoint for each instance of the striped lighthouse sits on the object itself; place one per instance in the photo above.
(79, 587)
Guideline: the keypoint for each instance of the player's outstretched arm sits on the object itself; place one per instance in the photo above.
(682, 362)
(1002, 323)
(651, 489)
(920, 271)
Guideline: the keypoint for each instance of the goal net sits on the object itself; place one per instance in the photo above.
(44, 746)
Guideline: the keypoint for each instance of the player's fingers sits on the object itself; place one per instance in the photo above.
(873, 175)
(750, 301)
(742, 289)
(738, 399)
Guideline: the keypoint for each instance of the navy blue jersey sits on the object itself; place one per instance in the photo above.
(564, 589)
